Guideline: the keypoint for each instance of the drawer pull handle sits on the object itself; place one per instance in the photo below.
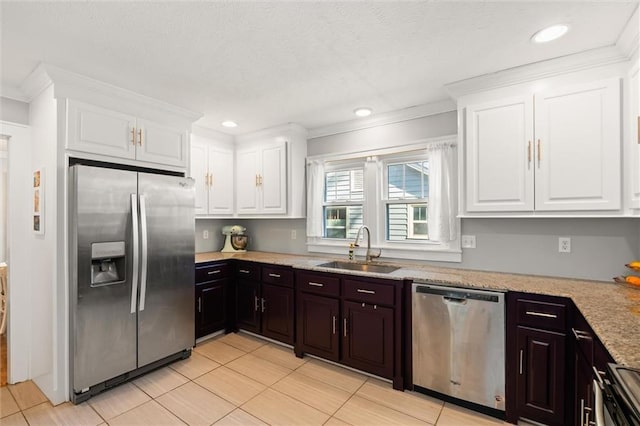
(244, 271)
(316, 284)
(217, 271)
(334, 324)
(361, 290)
(521, 359)
(541, 314)
(580, 335)
(274, 275)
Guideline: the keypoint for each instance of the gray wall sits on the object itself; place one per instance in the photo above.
(14, 111)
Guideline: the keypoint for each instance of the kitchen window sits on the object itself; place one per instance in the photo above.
(405, 195)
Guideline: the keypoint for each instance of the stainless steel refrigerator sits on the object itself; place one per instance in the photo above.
(131, 274)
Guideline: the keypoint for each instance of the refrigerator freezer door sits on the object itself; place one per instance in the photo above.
(166, 307)
(103, 337)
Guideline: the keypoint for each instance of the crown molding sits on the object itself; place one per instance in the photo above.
(284, 130)
(545, 69)
(629, 41)
(382, 119)
(206, 132)
(68, 84)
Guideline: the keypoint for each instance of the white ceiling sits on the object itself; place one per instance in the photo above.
(268, 63)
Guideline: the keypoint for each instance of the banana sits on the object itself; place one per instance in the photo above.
(635, 265)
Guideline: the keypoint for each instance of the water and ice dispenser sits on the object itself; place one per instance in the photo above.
(107, 263)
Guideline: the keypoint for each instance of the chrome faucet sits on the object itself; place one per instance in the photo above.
(369, 255)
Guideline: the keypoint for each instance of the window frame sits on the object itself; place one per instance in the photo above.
(333, 167)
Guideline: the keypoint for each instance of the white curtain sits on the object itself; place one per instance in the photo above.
(442, 196)
(315, 195)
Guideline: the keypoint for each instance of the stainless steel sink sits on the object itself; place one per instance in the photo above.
(363, 267)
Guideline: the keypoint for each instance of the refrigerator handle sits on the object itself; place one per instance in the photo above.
(134, 232)
(143, 266)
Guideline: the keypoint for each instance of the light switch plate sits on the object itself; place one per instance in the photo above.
(468, 241)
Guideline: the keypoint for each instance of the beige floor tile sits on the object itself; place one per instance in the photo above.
(218, 351)
(116, 401)
(160, 381)
(194, 366)
(64, 414)
(420, 406)
(230, 385)
(195, 405)
(279, 355)
(239, 417)
(315, 393)
(27, 394)
(259, 369)
(335, 422)
(149, 413)
(452, 415)
(242, 341)
(16, 419)
(360, 411)
(276, 408)
(8, 404)
(336, 376)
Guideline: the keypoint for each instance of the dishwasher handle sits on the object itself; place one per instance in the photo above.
(458, 295)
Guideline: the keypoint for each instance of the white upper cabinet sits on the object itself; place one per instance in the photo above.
(499, 155)
(261, 179)
(102, 131)
(554, 151)
(633, 137)
(577, 132)
(212, 170)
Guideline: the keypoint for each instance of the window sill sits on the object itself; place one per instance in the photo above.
(435, 253)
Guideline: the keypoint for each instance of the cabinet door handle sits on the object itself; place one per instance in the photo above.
(316, 284)
(255, 308)
(243, 271)
(263, 301)
(257, 181)
(529, 153)
(206, 179)
(361, 290)
(211, 179)
(582, 412)
(541, 314)
(260, 180)
(539, 153)
(334, 324)
(199, 304)
(217, 271)
(344, 327)
(638, 128)
(274, 275)
(140, 136)
(521, 360)
(133, 135)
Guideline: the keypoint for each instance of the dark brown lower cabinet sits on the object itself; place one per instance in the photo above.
(318, 325)
(211, 308)
(368, 336)
(277, 314)
(541, 375)
(248, 305)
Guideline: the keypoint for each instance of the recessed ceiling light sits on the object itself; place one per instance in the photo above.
(550, 33)
(229, 123)
(362, 112)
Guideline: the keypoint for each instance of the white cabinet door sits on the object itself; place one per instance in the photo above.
(161, 144)
(100, 131)
(634, 137)
(498, 155)
(247, 171)
(199, 172)
(221, 181)
(273, 182)
(577, 134)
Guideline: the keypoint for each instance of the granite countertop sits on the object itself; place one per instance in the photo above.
(612, 310)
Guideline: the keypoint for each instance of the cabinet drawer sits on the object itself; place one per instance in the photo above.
(249, 271)
(544, 315)
(318, 283)
(278, 276)
(369, 292)
(583, 337)
(212, 271)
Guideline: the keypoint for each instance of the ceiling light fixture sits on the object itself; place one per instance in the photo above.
(551, 33)
(229, 123)
(362, 112)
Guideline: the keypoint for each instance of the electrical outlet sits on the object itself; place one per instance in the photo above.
(293, 234)
(468, 241)
(564, 245)
(205, 235)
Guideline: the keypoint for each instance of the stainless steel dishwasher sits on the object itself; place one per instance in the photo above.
(459, 343)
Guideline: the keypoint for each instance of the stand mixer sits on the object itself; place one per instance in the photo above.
(235, 239)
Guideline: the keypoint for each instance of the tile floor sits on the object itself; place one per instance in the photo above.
(238, 379)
